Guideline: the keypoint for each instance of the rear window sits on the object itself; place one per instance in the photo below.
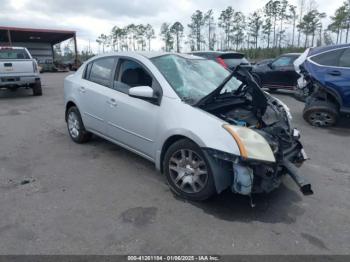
(234, 59)
(7, 53)
(344, 60)
(101, 71)
(329, 58)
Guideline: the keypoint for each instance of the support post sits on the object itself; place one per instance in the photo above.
(9, 37)
(76, 50)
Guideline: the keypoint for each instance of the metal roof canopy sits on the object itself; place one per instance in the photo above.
(15, 34)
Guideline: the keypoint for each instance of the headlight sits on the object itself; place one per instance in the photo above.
(251, 144)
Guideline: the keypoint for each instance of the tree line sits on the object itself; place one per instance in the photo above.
(278, 25)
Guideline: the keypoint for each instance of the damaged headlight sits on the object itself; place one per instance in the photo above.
(251, 144)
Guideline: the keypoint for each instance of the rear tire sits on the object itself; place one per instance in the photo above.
(321, 113)
(76, 128)
(37, 90)
(188, 172)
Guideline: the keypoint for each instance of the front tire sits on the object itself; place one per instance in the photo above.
(76, 127)
(188, 172)
(321, 113)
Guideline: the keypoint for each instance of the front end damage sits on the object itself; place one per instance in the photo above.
(268, 119)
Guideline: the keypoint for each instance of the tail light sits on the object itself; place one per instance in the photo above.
(35, 67)
(222, 62)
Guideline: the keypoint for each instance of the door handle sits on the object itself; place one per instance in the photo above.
(112, 102)
(82, 89)
(334, 73)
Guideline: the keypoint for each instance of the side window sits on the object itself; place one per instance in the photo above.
(329, 58)
(131, 74)
(101, 71)
(283, 61)
(87, 71)
(344, 60)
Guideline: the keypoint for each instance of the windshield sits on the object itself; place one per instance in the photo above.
(191, 78)
(8, 53)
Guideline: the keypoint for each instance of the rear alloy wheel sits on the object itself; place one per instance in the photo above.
(76, 127)
(321, 114)
(188, 172)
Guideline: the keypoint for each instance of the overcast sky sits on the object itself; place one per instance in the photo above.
(90, 18)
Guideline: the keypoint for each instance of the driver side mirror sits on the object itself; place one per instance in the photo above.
(143, 92)
(270, 65)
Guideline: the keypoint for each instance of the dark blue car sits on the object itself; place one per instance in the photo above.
(326, 72)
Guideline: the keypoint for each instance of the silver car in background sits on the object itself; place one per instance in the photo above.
(205, 128)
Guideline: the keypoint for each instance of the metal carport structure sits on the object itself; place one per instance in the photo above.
(39, 42)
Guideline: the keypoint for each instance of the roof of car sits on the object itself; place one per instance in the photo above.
(292, 54)
(11, 47)
(320, 49)
(150, 54)
(214, 52)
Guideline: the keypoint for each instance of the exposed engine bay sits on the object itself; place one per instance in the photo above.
(251, 108)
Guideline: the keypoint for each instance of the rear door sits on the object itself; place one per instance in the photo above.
(334, 70)
(343, 82)
(93, 90)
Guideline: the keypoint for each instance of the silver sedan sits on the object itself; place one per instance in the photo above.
(205, 128)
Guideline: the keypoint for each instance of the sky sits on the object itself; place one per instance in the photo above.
(90, 18)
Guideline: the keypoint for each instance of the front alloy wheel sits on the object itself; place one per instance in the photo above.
(188, 172)
(73, 124)
(76, 127)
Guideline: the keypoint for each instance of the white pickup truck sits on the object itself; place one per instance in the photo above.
(19, 69)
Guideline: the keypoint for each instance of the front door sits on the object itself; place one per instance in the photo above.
(131, 121)
(282, 73)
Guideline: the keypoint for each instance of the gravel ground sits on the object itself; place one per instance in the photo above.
(57, 197)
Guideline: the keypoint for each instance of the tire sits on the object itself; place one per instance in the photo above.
(37, 90)
(76, 127)
(321, 113)
(192, 180)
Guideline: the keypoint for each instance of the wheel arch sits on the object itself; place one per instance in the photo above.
(221, 176)
(69, 104)
(167, 143)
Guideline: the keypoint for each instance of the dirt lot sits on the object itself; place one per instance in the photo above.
(57, 197)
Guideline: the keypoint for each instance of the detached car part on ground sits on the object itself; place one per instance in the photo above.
(205, 128)
(19, 69)
(325, 84)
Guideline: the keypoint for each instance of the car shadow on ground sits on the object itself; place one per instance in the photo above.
(279, 206)
(19, 93)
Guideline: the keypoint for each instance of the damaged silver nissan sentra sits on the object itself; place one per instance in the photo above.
(205, 128)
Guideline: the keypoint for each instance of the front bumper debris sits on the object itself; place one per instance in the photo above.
(292, 171)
